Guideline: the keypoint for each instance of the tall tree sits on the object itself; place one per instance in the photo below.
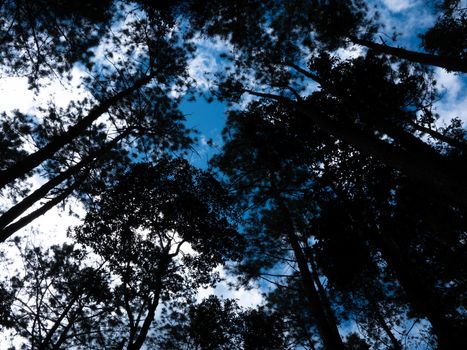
(321, 181)
(131, 102)
(45, 38)
(159, 232)
(265, 178)
(293, 47)
(146, 226)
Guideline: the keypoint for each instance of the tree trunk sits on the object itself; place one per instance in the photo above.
(461, 145)
(12, 228)
(140, 339)
(329, 331)
(438, 174)
(407, 140)
(64, 334)
(396, 345)
(46, 342)
(412, 164)
(24, 166)
(450, 63)
(18, 209)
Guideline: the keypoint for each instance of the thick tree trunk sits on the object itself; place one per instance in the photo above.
(422, 297)
(450, 63)
(24, 166)
(328, 330)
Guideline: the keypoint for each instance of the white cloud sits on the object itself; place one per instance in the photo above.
(61, 92)
(207, 60)
(245, 297)
(407, 18)
(201, 68)
(15, 95)
(399, 5)
(350, 52)
(454, 101)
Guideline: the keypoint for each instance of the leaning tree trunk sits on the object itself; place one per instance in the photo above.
(450, 63)
(24, 166)
(435, 172)
(6, 232)
(143, 333)
(18, 209)
(396, 345)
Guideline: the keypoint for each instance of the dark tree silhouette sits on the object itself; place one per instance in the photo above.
(143, 226)
(299, 185)
(42, 38)
(159, 232)
(222, 324)
(266, 178)
(351, 197)
(58, 300)
(291, 45)
(131, 97)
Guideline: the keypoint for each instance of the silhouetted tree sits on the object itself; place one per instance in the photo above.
(293, 46)
(56, 298)
(270, 181)
(222, 324)
(132, 93)
(321, 182)
(145, 228)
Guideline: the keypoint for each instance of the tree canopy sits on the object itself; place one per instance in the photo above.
(338, 189)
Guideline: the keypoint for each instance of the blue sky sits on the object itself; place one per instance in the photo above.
(209, 120)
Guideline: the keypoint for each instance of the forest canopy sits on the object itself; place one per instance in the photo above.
(336, 188)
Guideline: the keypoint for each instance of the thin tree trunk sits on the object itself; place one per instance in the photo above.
(461, 145)
(322, 293)
(140, 339)
(45, 343)
(24, 166)
(64, 334)
(410, 163)
(408, 141)
(396, 345)
(12, 228)
(328, 330)
(18, 209)
(450, 63)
